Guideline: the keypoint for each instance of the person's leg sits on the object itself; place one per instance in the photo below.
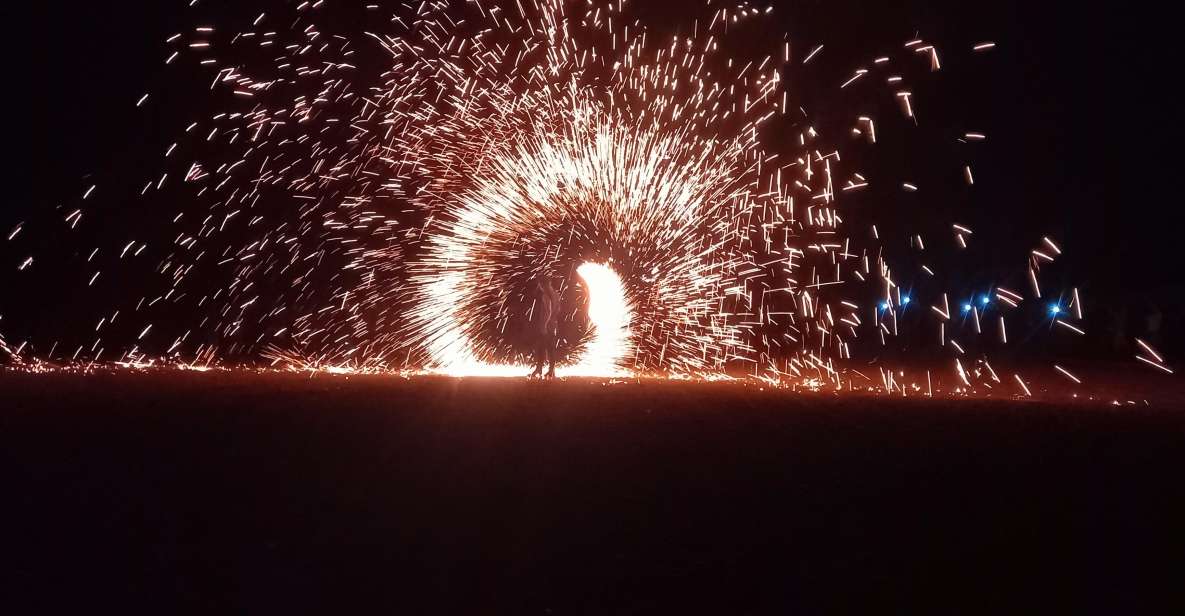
(539, 351)
(552, 342)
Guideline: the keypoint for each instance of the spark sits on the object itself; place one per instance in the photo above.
(1072, 328)
(1154, 364)
(812, 54)
(1067, 373)
(1022, 385)
(1150, 350)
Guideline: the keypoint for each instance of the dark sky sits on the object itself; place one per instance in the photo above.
(1061, 97)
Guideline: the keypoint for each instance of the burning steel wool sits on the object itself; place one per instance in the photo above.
(379, 199)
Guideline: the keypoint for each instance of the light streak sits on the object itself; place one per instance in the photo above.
(1023, 386)
(1067, 373)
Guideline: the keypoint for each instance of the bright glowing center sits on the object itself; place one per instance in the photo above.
(609, 313)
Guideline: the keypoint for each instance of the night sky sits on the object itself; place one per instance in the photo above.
(1055, 98)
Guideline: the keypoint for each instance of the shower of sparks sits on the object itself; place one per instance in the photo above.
(337, 216)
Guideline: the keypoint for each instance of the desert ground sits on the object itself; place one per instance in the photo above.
(221, 493)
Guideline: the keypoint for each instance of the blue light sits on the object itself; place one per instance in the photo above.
(884, 305)
(966, 307)
(984, 300)
(905, 300)
(1054, 309)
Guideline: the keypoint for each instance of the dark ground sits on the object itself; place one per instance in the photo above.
(222, 494)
